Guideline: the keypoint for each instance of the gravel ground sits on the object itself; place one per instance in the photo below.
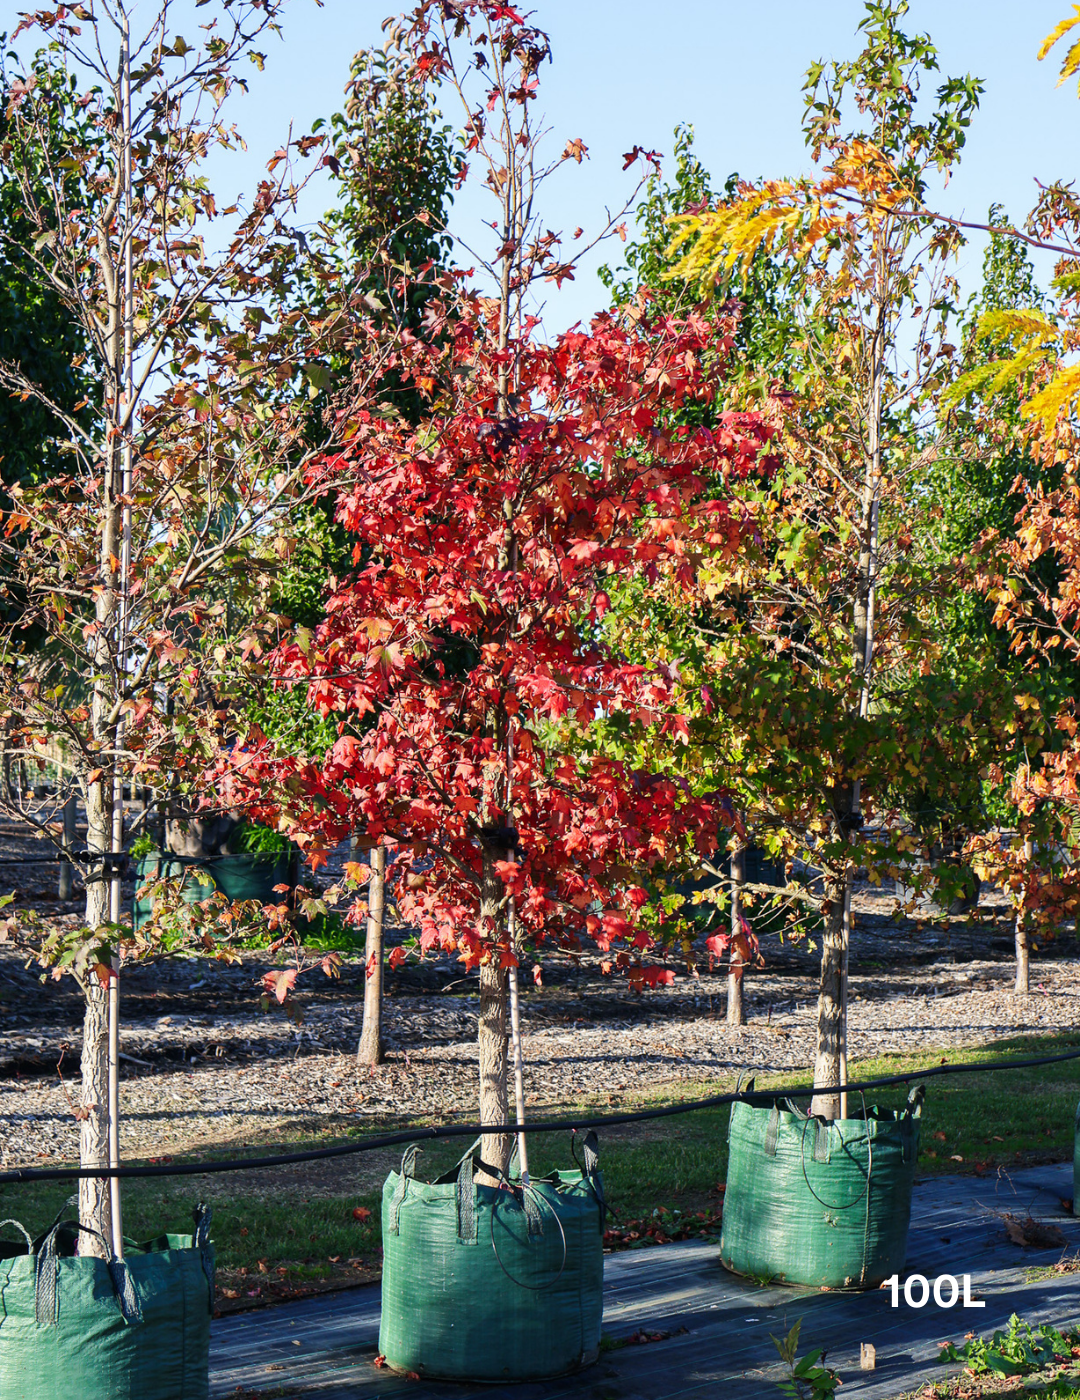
(206, 1067)
(310, 1081)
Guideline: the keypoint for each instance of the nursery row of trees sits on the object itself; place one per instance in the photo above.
(319, 526)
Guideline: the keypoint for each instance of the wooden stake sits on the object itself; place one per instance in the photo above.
(67, 870)
(736, 1009)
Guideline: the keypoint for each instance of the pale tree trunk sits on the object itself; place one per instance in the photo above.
(94, 1206)
(736, 1010)
(827, 1061)
(94, 1194)
(1023, 949)
(370, 1049)
(492, 1030)
(1023, 954)
(492, 1025)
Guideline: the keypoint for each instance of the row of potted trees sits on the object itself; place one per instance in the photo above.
(493, 724)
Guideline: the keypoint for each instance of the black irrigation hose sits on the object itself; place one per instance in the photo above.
(761, 1096)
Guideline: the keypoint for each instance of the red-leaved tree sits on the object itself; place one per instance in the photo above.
(465, 651)
(464, 656)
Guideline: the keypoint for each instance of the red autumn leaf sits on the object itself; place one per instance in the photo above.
(361, 1213)
(279, 984)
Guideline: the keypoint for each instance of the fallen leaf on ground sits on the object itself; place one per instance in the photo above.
(1033, 1234)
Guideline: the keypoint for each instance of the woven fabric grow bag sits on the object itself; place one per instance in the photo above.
(492, 1284)
(825, 1205)
(1076, 1164)
(252, 876)
(197, 884)
(75, 1328)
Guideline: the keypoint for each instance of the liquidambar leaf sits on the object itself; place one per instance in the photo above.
(1072, 58)
(1060, 394)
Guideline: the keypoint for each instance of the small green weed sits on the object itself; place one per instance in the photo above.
(1018, 1351)
(808, 1379)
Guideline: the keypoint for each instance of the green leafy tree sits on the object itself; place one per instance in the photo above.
(37, 330)
(810, 662)
(974, 482)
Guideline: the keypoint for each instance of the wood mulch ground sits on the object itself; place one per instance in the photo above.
(205, 1066)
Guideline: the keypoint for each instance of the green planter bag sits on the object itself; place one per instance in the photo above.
(492, 1284)
(252, 876)
(75, 1328)
(197, 884)
(825, 1205)
(1076, 1164)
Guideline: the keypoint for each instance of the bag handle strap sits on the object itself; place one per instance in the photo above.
(590, 1169)
(524, 1195)
(203, 1215)
(739, 1089)
(590, 1151)
(47, 1279)
(22, 1231)
(910, 1119)
(466, 1198)
(71, 1202)
(408, 1168)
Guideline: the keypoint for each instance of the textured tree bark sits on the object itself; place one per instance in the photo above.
(827, 1061)
(1023, 955)
(94, 1210)
(94, 1129)
(736, 1010)
(495, 1148)
(370, 1049)
(1023, 950)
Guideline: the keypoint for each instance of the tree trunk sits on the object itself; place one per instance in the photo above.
(1021, 934)
(94, 1129)
(736, 1011)
(94, 1208)
(830, 1003)
(495, 1148)
(370, 1049)
(1023, 953)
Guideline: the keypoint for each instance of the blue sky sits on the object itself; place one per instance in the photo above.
(626, 71)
